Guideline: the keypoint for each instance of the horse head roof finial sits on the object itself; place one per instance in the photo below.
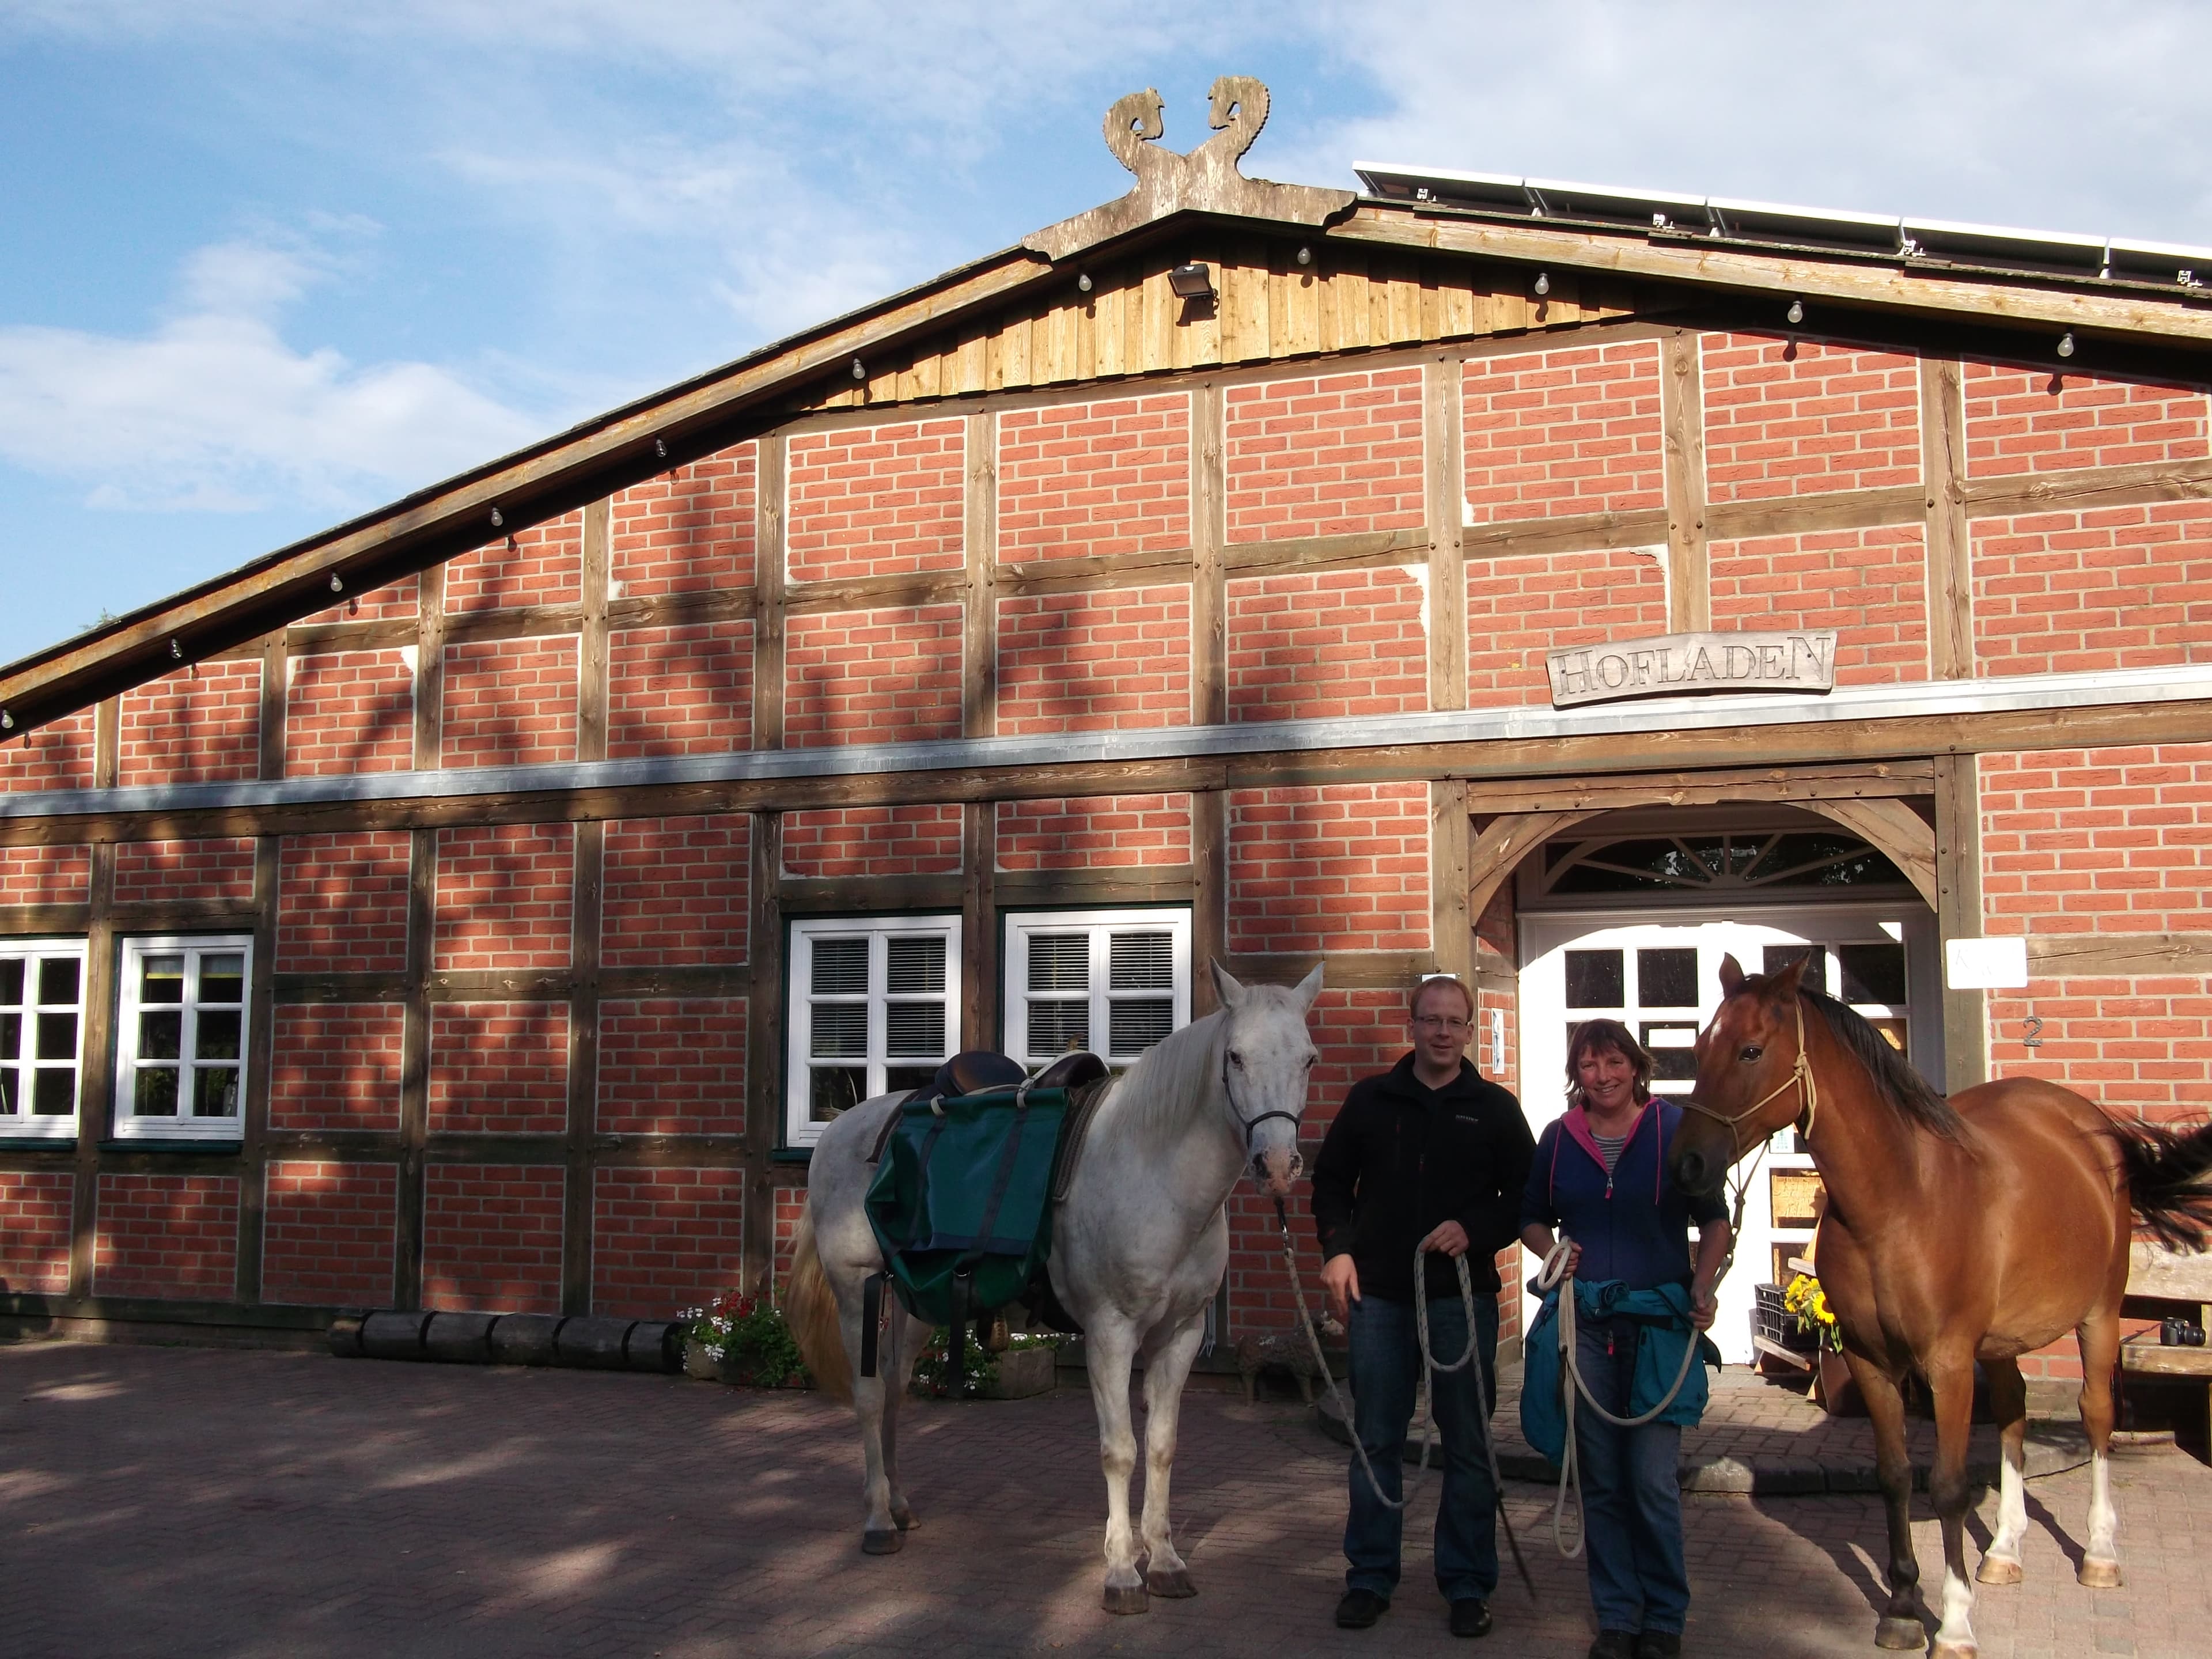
(1204, 180)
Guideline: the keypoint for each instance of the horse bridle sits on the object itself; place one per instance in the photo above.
(1801, 1075)
(1252, 1124)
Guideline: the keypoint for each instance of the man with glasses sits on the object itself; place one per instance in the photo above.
(1428, 1154)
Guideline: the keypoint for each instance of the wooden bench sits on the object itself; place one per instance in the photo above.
(2179, 1284)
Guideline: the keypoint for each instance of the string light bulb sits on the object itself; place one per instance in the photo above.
(1797, 313)
(337, 587)
(2066, 343)
(1305, 256)
(496, 520)
(859, 371)
(1083, 283)
(1543, 283)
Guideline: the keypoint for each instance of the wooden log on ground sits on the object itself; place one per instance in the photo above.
(525, 1339)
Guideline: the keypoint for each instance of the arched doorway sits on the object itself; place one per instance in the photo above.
(1627, 914)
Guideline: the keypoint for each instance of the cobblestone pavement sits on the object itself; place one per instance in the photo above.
(197, 1502)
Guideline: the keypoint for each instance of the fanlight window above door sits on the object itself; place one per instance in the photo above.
(1717, 862)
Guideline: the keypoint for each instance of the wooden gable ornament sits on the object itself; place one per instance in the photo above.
(1204, 180)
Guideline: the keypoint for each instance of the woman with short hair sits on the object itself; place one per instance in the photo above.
(1599, 1176)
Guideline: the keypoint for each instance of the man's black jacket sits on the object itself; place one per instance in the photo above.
(1401, 1159)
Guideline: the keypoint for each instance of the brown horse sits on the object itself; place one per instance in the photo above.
(1976, 1228)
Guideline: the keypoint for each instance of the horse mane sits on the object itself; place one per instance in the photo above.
(1167, 1083)
(1893, 1077)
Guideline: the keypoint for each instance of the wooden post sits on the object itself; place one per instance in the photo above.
(1958, 913)
(979, 925)
(1451, 925)
(768, 580)
(1682, 419)
(1209, 594)
(96, 1109)
(1445, 467)
(261, 994)
(979, 643)
(578, 1179)
(764, 1086)
(1949, 550)
(1209, 895)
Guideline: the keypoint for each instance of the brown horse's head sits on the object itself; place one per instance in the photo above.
(1746, 1059)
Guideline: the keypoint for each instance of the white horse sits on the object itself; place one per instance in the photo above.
(1137, 1249)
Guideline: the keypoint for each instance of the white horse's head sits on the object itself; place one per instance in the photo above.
(1266, 1065)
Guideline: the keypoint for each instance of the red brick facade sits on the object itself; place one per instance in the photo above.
(1334, 645)
(885, 676)
(330, 1235)
(350, 711)
(335, 1065)
(1330, 456)
(666, 1239)
(1797, 417)
(691, 530)
(491, 1238)
(172, 1237)
(1116, 832)
(1555, 433)
(1095, 478)
(877, 500)
(2118, 587)
(1521, 606)
(1870, 586)
(1090, 662)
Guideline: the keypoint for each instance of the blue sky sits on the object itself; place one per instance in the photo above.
(266, 265)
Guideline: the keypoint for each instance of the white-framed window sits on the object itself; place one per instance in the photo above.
(1113, 982)
(180, 1037)
(41, 1034)
(875, 1005)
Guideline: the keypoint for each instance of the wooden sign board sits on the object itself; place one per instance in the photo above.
(1794, 1194)
(1675, 664)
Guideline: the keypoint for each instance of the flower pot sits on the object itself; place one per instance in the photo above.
(1023, 1372)
(698, 1363)
(1833, 1387)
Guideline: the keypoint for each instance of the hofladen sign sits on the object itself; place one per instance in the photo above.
(1673, 664)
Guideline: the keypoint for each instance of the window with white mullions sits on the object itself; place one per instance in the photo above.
(41, 1036)
(1113, 982)
(875, 1005)
(180, 1068)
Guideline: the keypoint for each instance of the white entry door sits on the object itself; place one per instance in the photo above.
(1661, 979)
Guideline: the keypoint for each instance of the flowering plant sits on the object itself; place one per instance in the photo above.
(747, 1337)
(1810, 1302)
(932, 1374)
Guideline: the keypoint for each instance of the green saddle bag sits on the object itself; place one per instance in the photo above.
(962, 1201)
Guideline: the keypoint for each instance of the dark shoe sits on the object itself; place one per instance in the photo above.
(1659, 1644)
(1470, 1617)
(1614, 1645)
(1362, 1607)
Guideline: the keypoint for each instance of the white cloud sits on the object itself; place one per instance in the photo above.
(214, 411)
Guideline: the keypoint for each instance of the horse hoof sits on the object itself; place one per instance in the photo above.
(1955, 1650)
(1998, 1570)
(905, 1520)
(1171, 1582)
(2099, 1575)
(882, 1543)
(1128, 1598)
(1901, 1635)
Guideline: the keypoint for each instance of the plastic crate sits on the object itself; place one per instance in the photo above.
(1769, 1320)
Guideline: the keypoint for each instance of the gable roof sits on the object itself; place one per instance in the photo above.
(2137, 326)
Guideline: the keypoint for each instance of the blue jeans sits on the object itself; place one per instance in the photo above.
(1386, 1368)
(1632, 1494)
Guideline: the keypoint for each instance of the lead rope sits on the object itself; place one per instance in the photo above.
(1554, 1273)
(1434, 1367)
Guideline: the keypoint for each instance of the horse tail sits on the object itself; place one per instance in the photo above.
(2169, 1174)
(810, 1308)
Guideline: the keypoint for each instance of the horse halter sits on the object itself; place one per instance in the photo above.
(1801, 1075)
(1251, 1124)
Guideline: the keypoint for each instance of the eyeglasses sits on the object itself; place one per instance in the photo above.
(1441, 1023)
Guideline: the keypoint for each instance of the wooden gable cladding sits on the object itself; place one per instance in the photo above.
(1268, 306)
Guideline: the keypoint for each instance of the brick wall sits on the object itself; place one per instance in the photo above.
(342, 902)
(885, 676)
(1558, 433)
(58, 756)
(34, 1232)
(1521, 607)
(1092, 662)
(878, 841)
(2115, 588)
(790, 1204)
(491, 1238)
(149, 870)
(673, 1066)
(1326, 455)
(664, 1240)
(1870, 586)
(673, 891)
(167, 1236)
(1795, 417)
(45, 875)
(505, 896)
(202, 727)
(876, 500)
(1342, 867)
(499, 1068)
(683, 690)
(335, 1065)
(1095, 478)
(509, 703)
(1328, 644)
(350, 711)
(392, 601)
(2139, 1048)
(2029, 421)
(688, 530)
(1093, 832)
(330, 1235)
(542, 565)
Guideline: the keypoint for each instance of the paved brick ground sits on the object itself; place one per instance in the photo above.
(189, 1502)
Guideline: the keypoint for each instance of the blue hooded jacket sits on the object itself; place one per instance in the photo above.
(1634, 1226)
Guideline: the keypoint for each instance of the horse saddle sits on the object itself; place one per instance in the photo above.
(969, 1169)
